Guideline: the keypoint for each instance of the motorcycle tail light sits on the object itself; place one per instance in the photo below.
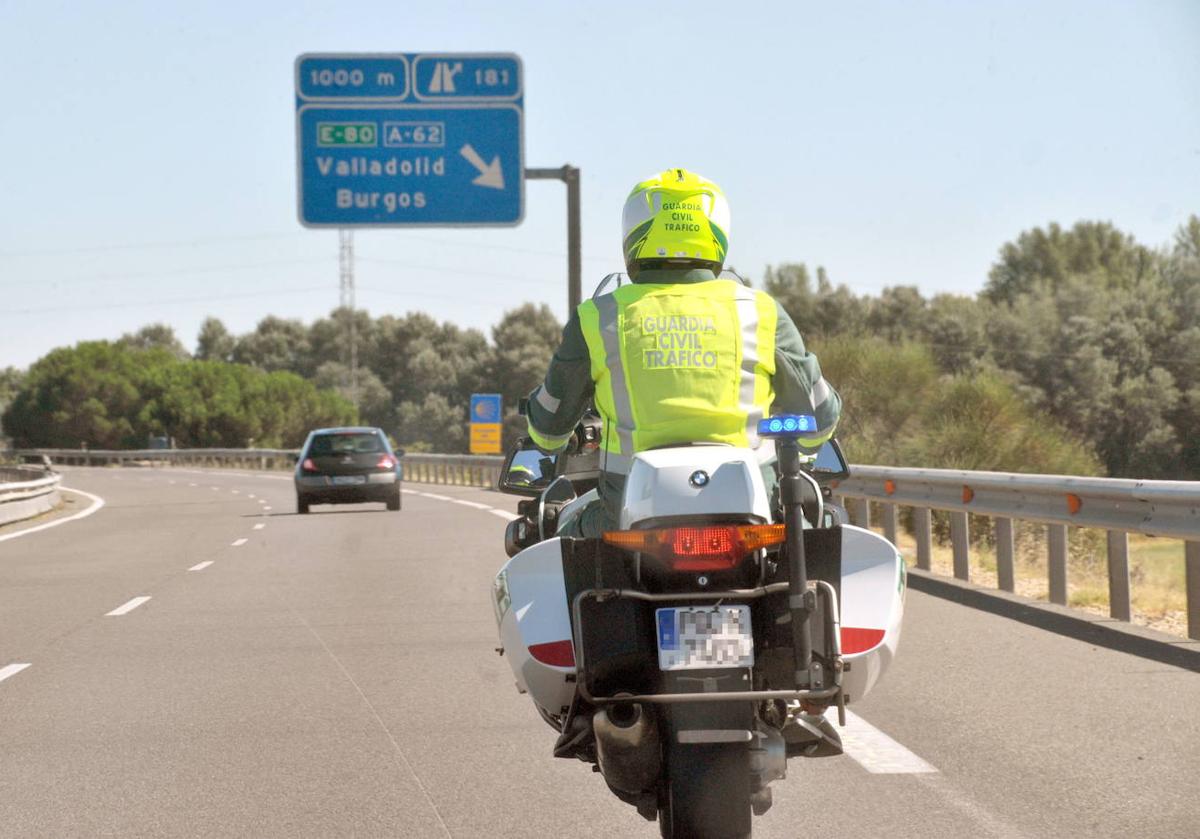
(703, 548)
(308, 465)
(386, 461)
(554, 653)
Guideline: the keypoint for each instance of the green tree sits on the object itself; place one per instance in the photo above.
(10, 383)
(155, 336)
(214, 343)
(275, 344)
(1111, 259)
(113, 395)
(372, 397)
(525, 340)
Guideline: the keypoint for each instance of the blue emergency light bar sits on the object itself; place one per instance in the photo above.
(787, 425)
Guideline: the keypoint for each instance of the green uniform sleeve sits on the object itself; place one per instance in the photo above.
(799, 386)
(556, 405)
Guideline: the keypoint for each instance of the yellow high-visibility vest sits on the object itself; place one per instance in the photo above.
(680, 363)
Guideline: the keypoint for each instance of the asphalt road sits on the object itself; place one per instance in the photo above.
(333, 675)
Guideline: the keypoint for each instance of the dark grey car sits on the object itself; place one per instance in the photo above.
(347, 466)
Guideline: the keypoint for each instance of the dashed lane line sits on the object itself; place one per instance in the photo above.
(12, 670)
(266, 507)
(474, 504)
(237, 543)
(435, 496)
(97, 503)
(200, 566)
(259, 526)
(876, 752)
(126, 608)
(504, 514)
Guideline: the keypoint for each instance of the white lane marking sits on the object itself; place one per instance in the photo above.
(474, 504)
(172, 483)
(11, 670)
(504, 514)
(191, 483)
(237, 543)
(266, 507)
(259, 526)
(215, 489)
(410, 492)
(235, 492)
(250, 495)
(200, 566)
(876, 752)
(434, 496)
(97, 503)
(126, 608)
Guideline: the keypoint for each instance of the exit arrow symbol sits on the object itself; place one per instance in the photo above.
(490, 174)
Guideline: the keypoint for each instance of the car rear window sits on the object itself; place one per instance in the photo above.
(348, 443)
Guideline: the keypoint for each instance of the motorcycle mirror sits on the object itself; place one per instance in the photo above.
(526, 470)
(831, 463)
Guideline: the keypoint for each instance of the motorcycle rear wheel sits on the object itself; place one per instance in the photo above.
(706, 794)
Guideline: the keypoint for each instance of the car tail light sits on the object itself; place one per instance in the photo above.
(555, 653)
(704, 548)
(308, 465)
(386, 461)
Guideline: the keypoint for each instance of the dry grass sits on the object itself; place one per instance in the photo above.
(1156, 573)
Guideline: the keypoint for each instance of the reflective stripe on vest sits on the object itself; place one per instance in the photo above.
(680, 363)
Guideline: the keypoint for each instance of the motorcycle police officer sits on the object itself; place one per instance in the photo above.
(679, 355)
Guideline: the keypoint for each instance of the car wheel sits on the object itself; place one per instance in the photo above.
(393, 503)
(301, 505)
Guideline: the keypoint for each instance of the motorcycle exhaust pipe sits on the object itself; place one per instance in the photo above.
(627, 747)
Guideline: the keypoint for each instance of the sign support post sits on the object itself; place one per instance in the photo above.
(570, 176)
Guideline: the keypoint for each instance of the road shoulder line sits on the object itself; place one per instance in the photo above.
(97, 503)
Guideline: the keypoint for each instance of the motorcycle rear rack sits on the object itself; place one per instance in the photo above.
(832, 635)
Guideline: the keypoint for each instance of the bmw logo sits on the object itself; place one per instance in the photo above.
(698, 479)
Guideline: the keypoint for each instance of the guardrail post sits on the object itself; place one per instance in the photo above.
(1191, 553)
(1056, 540)
(890, 523)
(1118, 575)
(923, 525)
(860, 512)
(1005, 570)
(960, 541)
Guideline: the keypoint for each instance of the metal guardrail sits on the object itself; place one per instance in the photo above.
(26, 492)
(1120, 507)
(465, 470)
(462, 470)
(1158, 508)
(242, 458)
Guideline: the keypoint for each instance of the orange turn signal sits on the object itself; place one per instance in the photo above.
(702, 548)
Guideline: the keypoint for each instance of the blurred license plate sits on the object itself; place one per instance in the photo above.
(690, 638)
(343, 480)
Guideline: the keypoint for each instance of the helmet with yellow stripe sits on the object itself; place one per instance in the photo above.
(675, 219)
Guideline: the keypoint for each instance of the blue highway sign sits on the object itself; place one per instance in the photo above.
(409, 139)
(485, 407)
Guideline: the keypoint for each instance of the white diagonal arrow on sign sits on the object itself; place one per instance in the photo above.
(490, 174)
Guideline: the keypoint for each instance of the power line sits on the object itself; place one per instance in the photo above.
(180, 272)
(256, 237)
(150, 245)
(470, 272)
(140, 304)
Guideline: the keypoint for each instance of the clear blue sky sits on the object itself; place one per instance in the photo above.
(149, 173)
